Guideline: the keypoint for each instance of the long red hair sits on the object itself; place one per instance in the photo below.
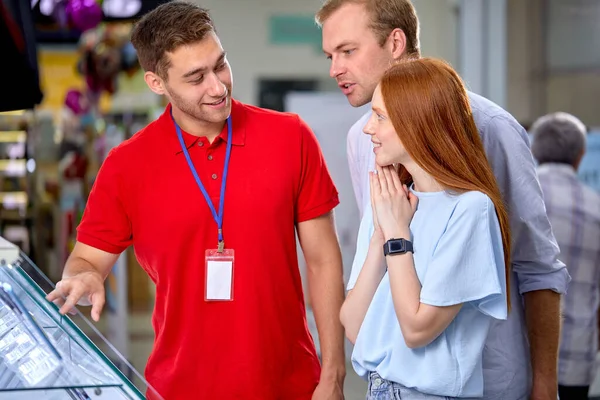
(429, 108)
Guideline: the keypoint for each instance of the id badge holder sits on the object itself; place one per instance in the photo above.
(219, 275)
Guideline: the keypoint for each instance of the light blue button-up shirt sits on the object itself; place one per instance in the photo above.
(506, 359)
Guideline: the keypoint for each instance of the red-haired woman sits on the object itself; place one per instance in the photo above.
(437, 265)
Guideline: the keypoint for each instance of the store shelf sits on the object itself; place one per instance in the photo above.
(15, 113)
(13, 168)
(13, 136)
(12, 200)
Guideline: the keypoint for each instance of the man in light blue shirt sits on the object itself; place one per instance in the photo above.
(362, 39)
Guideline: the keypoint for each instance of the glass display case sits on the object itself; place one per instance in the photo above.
(45, 355)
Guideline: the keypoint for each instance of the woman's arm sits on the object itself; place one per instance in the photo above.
(358, 299)
(467, 265)
(394, 207)
(420, 323)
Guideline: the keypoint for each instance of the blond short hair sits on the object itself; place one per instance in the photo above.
(386, 15)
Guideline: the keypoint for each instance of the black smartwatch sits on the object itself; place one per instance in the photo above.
(397, 246)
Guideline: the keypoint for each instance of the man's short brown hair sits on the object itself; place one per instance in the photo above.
(386, 15)
(166, 28)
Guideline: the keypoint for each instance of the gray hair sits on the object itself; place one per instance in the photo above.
(558, 138)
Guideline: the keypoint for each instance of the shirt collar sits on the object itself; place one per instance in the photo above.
(560, 168)
(238, 135)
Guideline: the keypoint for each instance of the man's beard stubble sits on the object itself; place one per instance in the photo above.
(195, 110)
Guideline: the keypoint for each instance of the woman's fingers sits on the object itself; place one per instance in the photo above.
(375, 182)
(382, 180)
(414, 200)
(387, 172)
(395, 179)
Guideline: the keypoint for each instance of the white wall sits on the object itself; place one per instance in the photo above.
(439, 29)
(482, 47)
(243, 28)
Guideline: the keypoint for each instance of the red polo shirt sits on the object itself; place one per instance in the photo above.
(257, 346)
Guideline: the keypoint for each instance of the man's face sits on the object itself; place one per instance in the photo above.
(200, 81)
(357, 60)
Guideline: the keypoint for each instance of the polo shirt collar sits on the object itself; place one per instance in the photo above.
(238, 116)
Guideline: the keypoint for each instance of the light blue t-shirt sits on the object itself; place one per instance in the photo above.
(459, 258)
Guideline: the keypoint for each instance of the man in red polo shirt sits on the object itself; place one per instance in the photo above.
(211, 196)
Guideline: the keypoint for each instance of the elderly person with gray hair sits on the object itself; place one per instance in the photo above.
(559, 142)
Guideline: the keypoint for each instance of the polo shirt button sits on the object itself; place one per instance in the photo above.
(214, 176)
(200, 143)
(377, 382)
(210, 158)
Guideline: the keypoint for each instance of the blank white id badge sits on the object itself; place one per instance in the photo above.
(219, 275)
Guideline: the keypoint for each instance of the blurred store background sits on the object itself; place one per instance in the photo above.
(73, 90)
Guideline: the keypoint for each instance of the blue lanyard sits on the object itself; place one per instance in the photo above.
(218, 217)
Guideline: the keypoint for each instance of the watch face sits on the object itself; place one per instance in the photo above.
(396, 246)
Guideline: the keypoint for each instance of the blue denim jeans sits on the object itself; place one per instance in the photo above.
(382, 389)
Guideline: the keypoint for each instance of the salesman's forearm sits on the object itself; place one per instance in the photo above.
(542, 311)
(77, 265)
(327, 295)
(86, 259)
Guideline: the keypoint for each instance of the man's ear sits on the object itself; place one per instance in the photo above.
(155, 83)
(578, 161)
(397, 42)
